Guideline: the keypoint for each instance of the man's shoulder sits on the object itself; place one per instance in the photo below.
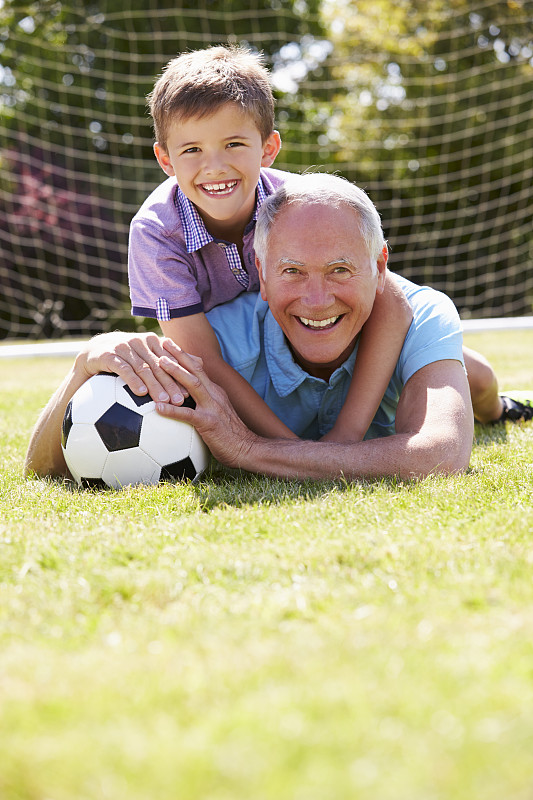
(238, 312)
(432, 309)
(435, 333)
(422, 298)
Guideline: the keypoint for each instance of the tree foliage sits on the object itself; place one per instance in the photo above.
(434, 113)
(426, 103)
(76, 153)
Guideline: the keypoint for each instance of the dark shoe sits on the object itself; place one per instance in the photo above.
(517, 407)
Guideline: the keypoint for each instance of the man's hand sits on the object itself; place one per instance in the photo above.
(135, 358)
(215, 419)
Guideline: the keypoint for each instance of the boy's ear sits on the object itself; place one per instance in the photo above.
(163, 159)
(262, 287)
(271, 148)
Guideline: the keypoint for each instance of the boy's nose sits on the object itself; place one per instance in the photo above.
(214, 165)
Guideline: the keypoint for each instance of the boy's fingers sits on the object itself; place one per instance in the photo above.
(141, 367)
(136, 360)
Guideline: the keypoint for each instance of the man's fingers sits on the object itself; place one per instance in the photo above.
(213, 417)
(188, 373)
(174, 356)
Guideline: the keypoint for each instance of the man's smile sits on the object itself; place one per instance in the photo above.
(320, 324)
(218, 189)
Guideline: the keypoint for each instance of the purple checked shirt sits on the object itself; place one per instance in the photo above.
(175, 267)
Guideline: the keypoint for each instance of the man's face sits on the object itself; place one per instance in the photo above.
(320, 283)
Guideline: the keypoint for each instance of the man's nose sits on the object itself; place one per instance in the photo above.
(317, 293)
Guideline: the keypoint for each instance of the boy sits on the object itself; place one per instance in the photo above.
(191, 243)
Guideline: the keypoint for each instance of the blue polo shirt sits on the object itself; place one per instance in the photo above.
(254, 344)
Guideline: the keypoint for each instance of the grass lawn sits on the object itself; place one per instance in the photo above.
(254, 639)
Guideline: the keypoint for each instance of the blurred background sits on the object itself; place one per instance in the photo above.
(426, 104)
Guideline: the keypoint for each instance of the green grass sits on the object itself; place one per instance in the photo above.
(254, 639)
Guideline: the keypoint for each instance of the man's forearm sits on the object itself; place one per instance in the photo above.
(45, 456)
(434, 426)
(404, 455)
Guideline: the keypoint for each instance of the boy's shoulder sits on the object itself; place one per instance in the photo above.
(274, 178)
(160, 206)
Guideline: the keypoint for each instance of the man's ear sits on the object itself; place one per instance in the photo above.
(382, 268)
(163, 159)
(262, 286)
(271, 148)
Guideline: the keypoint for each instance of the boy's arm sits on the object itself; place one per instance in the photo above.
(194, 335)
(383, 333)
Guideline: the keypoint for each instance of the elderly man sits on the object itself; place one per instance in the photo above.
(321, 257)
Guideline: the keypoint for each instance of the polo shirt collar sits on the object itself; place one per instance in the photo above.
(286, 375)
(195, 232)
(261, 197)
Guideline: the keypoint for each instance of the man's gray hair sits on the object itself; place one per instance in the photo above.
(320, 188)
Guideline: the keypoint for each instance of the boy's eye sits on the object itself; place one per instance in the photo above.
(192, 150)
(235, 144)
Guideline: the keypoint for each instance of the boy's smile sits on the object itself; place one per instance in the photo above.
(216, 160)
(219, 189)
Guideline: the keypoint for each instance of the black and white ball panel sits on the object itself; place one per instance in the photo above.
(110, 434)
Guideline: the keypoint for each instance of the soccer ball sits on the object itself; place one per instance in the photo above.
(111, 437)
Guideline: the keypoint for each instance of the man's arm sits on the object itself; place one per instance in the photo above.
(434, 429)
(134, 358)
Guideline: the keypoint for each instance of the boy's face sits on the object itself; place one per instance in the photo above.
(216, 160)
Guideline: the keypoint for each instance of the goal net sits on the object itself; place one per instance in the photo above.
(426, 105)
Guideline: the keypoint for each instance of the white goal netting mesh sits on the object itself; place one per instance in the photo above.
(427, 105)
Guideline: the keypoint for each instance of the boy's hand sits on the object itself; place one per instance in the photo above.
(135, 358)
(340, 433)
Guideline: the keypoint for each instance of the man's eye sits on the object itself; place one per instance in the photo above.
(291, 271)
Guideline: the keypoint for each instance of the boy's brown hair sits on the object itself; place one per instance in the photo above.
(198, 83)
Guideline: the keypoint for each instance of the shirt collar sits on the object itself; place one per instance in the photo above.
(285, 373)
(196, 234)
(261, 197)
